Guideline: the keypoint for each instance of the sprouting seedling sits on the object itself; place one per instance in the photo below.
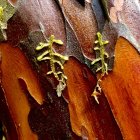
(101, 59)
(55, 60)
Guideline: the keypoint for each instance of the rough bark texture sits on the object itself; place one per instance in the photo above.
(29, 106)
(34, 111)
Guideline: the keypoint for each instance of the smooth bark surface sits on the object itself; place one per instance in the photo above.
(14, 66)
(122, 87)
(88, 119)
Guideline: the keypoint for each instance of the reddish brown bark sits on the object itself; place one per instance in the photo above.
(28, 114)
(122, 87)
(83, 22)
(88, 119)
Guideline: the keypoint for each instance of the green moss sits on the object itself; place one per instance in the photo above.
(101, 59)
(6, 12)
(55, 60)
(102, 55)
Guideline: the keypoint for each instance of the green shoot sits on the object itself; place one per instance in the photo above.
(101, 59)
(6, 12)
(54, 59)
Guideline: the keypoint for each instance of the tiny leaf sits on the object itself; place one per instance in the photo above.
(100, 68)
(61, 56)
(59, 63)
(96, 48)
(106, 42)
(106, 54)
(95, 61)
(46, 58)
(58, 42)
(50, 72)
(96, 42)
(42, 45)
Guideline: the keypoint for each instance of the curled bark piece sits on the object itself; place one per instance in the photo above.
(83, 22)
(122, 88)
(13, 67)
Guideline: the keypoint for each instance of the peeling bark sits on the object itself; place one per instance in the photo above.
(122, 86)
(88, 119)
(13, 67)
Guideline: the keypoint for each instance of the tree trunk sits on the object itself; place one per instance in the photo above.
(50, 54)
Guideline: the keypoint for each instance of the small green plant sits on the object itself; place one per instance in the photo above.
(1, 16)
(101, 59)
(55, 60)
(6, 12)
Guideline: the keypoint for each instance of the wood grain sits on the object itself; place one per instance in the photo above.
(122, 89)
(88, 119)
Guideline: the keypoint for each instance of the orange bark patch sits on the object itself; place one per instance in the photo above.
(88, 119)
(122, 89)
(14, 66)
